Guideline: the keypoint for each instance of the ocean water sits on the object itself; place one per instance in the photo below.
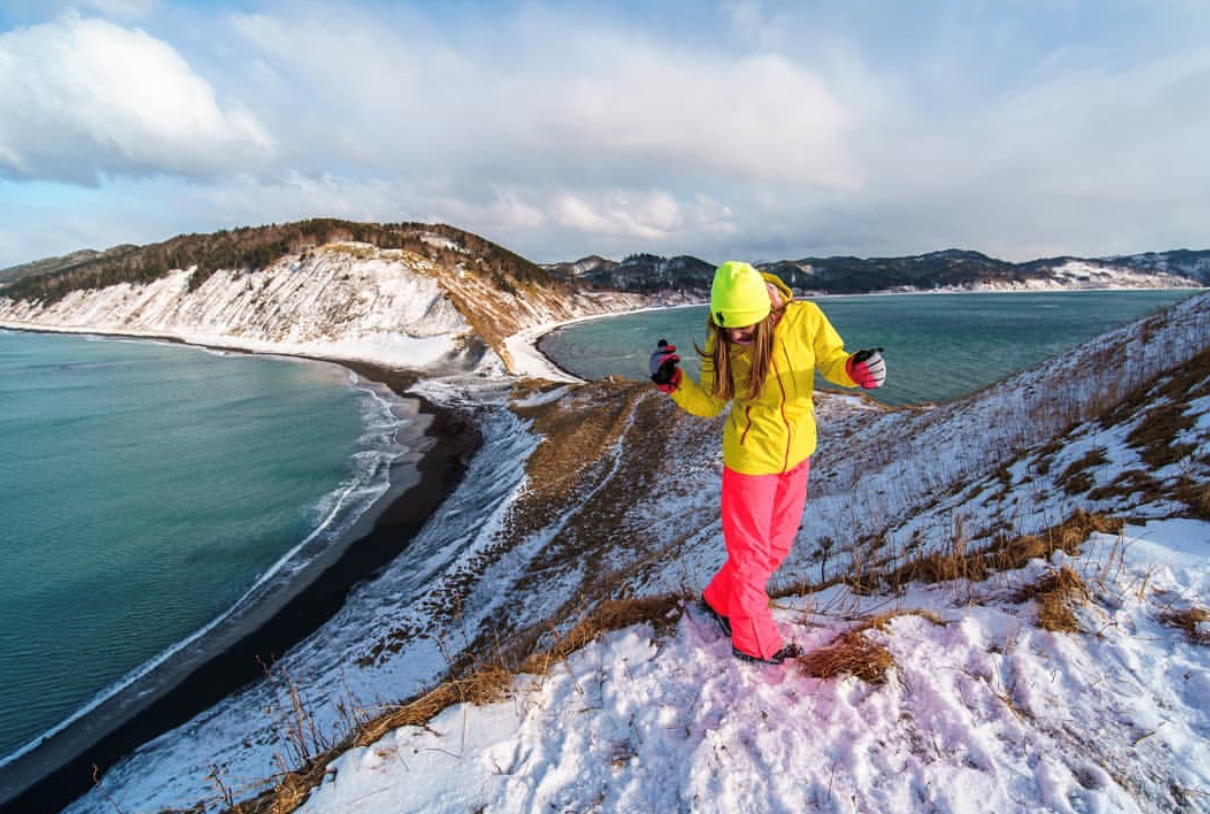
(145, 489)
(937, 346)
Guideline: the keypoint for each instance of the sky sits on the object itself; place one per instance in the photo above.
(731, 130)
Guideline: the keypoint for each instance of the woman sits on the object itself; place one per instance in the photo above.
(762, 350)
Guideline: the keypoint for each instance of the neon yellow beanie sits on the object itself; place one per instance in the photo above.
(738, 296)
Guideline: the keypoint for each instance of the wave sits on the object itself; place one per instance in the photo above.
(337, 512)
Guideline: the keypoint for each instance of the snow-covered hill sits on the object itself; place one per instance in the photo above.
(980, 709)
(339, 301)
(605, 491)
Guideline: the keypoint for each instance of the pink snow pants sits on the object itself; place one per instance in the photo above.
(761, 516)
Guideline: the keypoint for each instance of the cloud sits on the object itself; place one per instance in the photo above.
(84, 98)
(759, 130)
(559, 102)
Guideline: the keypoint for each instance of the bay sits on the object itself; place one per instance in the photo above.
(938, 346)
(147, 487)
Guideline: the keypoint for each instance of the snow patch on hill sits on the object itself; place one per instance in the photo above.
(982, 712)
(345, 301)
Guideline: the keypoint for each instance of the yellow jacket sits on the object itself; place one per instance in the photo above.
(776, 431)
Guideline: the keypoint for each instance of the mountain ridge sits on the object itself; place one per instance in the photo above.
(253, 248)
(946, 269)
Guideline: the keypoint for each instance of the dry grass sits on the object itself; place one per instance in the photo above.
(661, 612)
(1056, 593)
(1004, 555)
(880, 621)
(1163, 408)
(1194, 621)
(849, 654)
(1076, 478)
(1196, 496)
(484, 684)
(852, 653)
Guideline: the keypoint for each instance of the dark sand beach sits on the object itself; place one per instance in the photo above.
(52, 775)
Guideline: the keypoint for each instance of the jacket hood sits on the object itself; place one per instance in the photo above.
(787, 295)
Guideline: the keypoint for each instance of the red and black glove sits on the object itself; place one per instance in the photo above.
(867, 368)
(664, 372)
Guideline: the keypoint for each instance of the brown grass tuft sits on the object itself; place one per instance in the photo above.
(880, 621)
(1004, 555)
(852, 653)
(849, 654)
(1196, 496)
(1076, 478)
(482, 686)
(1056, 592)
(1194, 621)
(661, 612)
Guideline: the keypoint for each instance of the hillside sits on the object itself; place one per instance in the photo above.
(949, 270)
(53, 265)
(255, 248)
(449, 300)
(585, 495)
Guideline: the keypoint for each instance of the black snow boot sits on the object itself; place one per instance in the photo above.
(719, 619)
(789, 651)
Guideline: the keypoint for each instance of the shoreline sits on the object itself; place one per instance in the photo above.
(54, 773)
(534, 336)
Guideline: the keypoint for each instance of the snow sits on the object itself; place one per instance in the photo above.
(529, 362)
(983, 713)
(343, 301)
(1087, 274)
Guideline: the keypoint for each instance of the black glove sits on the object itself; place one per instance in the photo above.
(664, 371)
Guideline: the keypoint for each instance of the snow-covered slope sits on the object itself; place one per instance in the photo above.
(340, 301)
(591, 492)
(1096, 274)
(980, 711)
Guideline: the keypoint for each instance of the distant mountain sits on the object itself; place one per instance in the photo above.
(952, 269)
(257, 247)
(253, 248)
(52, 265)
(1186, 263)
(640, 273)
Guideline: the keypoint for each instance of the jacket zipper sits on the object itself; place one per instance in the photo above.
(785, 464)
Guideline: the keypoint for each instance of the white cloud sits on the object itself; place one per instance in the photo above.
(759, 129)
(557, 102)
(84, 98)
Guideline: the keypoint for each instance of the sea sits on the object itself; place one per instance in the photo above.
(149, 490)
(938, 347)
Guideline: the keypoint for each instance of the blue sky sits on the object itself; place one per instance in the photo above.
(738, 129)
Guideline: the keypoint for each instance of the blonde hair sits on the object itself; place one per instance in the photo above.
(718, 352)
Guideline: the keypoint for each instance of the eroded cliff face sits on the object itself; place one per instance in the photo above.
(339, 301)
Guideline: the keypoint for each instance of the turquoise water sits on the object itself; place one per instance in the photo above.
(144, 489)
(937, 346)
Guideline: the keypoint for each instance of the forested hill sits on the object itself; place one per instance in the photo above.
(257, 247)
(949, 269)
